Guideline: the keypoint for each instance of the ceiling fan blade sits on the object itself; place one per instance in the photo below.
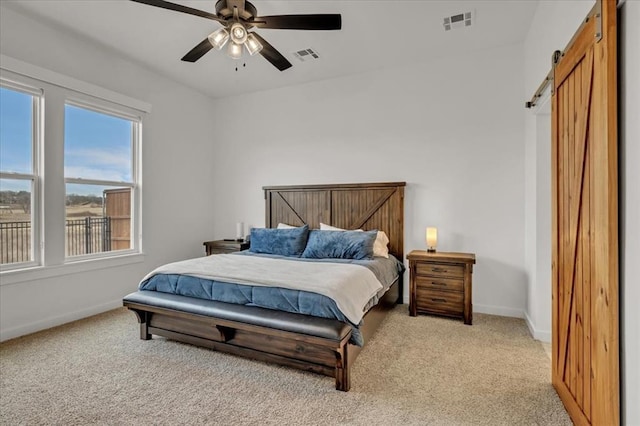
(272, 55)
(300, 22)
(180, 8)
(198, 52)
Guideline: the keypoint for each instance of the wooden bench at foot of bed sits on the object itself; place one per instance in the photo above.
(320, 345)
(295, 340)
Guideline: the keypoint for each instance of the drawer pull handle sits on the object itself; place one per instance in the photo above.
(439, 300)
(437, 283)
(439, 270)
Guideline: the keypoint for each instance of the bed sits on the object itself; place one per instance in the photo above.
(321, 345)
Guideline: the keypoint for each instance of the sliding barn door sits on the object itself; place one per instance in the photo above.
(585, 342)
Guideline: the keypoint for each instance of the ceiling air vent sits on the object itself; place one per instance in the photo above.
(306, 55)
(460, 20)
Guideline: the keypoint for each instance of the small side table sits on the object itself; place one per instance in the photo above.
(440, 284)
(222, 246)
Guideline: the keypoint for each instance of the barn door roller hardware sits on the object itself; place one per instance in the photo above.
(594, 13)
(547, 81)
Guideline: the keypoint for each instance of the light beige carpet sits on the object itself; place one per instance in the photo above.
(415, 371)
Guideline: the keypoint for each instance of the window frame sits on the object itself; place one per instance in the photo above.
(102, 107)
(35, 177)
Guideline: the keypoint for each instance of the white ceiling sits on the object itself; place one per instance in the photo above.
(375, 34)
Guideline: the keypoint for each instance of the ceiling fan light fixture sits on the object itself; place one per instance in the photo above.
(237, 17)
(252, 44)
(234, 50)
(238, 33)
(219, 38)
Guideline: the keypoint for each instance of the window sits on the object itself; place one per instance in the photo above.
(100, 171)
(19, 195)
(70, 172)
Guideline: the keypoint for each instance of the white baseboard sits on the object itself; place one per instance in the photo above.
(58, 320)
(498, 310)
(542, 335)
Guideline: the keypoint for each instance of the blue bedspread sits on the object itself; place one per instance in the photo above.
(386, 270)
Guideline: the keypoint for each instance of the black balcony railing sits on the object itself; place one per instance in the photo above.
(15, 242)
(83, 236)
(88, 235)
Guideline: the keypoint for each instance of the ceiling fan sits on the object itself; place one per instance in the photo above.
(237, 18)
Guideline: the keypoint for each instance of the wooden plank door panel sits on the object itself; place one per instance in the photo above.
(585, 350)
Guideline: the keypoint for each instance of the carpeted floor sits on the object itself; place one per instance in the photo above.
(415, 371)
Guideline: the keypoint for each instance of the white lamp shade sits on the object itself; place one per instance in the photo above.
(253, 45)
(218, 38)
(432, 238)
(234, 50)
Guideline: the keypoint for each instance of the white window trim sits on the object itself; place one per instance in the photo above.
(16, 276)
(22, 73)
(80, 101)
(35, 175)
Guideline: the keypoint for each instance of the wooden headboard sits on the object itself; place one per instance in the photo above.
(350, 206)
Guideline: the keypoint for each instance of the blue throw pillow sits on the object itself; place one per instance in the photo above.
(283, 242)
(340, 245)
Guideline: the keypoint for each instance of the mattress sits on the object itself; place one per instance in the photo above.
(203, 284)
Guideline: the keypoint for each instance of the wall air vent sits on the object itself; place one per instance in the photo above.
(460, 20)
(306, 55)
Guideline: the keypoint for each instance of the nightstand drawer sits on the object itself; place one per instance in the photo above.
(440, 270)
(445, 302)
(222, 246)
(222, 250)
(437, 283)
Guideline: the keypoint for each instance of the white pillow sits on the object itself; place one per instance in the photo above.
(325, 227)
(285, 226)
(380, 246)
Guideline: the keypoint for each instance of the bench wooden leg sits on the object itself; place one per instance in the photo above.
(343, 373)
(143, 319)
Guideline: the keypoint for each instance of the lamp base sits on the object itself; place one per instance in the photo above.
(431, 250)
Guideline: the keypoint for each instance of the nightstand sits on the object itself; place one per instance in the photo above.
(440, 283)
(222, 246)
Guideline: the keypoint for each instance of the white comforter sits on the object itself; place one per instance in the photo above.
(350, 286)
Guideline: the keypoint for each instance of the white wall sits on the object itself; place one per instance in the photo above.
(177, 196)
(538, 223)
(451, 128)
(554, 24)
(552, 28)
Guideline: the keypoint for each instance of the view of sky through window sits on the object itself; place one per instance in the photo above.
(97, 147)
(16, 110)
